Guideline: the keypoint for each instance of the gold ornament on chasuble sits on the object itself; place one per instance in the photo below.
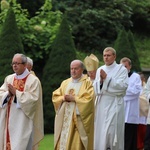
(72, 92)
(19, 83)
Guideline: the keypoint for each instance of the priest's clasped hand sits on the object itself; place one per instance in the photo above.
(103, 75)
(12, 90)
(69, 98)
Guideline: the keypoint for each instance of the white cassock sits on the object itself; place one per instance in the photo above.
(131, 99)
(109, 105)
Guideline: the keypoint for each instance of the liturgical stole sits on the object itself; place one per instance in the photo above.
(19, 85)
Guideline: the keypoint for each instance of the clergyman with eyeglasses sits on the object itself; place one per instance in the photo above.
(21, 112)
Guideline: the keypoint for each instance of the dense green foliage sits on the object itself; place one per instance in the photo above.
(10, 43)
(140, 16)
(42, 31)
(31, 5)
(95, 24)
(37, 32)
(57, 69)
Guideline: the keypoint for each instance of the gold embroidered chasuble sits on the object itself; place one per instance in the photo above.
(74, 121)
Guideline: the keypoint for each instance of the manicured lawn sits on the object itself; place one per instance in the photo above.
(47, 143)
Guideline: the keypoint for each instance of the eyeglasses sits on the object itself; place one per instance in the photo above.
(15, 63)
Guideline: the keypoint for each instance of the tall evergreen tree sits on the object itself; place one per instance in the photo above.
(57, 69)
(122, 46)
(10, 43)
(125, 47)
(135, 62)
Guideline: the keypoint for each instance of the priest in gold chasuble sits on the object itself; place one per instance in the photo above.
(74, 105)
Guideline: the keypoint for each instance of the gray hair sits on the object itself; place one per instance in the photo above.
(23, 57)
(80, 62)
(29, 61)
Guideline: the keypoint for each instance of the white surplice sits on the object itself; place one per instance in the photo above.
(109, 115)
(131, 99)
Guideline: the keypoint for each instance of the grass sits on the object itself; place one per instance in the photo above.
(47, 143)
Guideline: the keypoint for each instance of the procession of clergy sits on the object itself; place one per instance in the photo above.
(106, 108)
(114, 117)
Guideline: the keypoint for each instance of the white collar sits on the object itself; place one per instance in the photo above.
(23, 75)
(112, 65)
(76, 80)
